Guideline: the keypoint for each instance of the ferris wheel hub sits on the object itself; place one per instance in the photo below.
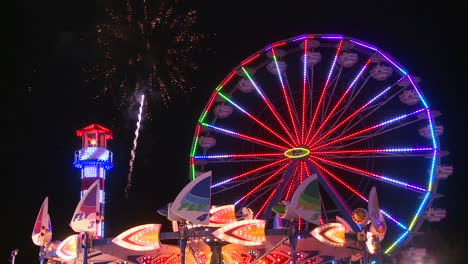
(297, 153)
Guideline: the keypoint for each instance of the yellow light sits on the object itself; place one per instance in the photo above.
(297, 153)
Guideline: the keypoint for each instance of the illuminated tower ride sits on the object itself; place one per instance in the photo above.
(93, 159)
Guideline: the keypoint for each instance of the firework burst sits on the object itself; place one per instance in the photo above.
(146, 41)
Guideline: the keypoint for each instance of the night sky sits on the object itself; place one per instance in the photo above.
(55, 39)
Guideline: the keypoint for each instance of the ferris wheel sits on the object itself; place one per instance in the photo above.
(325, 105)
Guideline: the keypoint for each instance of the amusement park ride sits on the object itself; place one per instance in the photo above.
(286, 160)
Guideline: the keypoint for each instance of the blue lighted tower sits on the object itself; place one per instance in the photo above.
(93, 159)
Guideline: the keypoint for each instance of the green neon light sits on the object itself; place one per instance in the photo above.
(202, 117)
(297, 153)
(219, 88)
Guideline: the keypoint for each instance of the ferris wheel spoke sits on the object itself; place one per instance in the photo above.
(334, 194)
(368, 129)
(245, 137)
(330, 114)
(356, 193)
(354, 114)
(279, 73)
(254, 119)
(245, 157)
(262, 184)
(397, 152)
(269, 105)
(370, 109)
(249, 173)
(371, 175)
(319, 103)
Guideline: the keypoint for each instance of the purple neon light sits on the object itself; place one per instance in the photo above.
(332, 37)
(392, 62)
(299, 38)
(363, 45)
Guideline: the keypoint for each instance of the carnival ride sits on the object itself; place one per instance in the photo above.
(296, 140)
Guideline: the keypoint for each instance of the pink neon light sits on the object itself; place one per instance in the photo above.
(278, 44)
(359, 132)
(262, 124)
(290, 183)
(339, 102)
(304, 86)
(265, 181)
(340, 181)
(393, 150)
(266, 202)
(288, 104)
(245, 62)
(233, 156)
(370, 174)
(228, 78)
(337, 195)
(351, 189)
(251, 171)
(324, 89)
(272, 110)
(247, 137)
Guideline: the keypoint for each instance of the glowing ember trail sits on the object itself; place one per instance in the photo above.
(135, 142)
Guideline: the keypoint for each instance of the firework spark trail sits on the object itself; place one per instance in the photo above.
(135, 141)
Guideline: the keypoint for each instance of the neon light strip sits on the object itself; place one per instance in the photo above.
(324, 89)
(393, 63)
(247, 173)
(304, 86)
(278, 44)
(366, 129)
(364, 45)
(208, 106)
(389, 249)
(337, 195)
(227, 80)
(332, 37)
(263, 183)
(339, 101)
(243, 136)
(390, 150)
(431, 173)
(356, 192)
(233, 156)
(431, 128)
(290, 183)
(266, 202)
(194, 146)
(418, 212)
(288, 104)
(273, 111)
(255, 119)
(372, 175)
(351, 116)
(299, 38)
(419, 93)
(245, 62)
